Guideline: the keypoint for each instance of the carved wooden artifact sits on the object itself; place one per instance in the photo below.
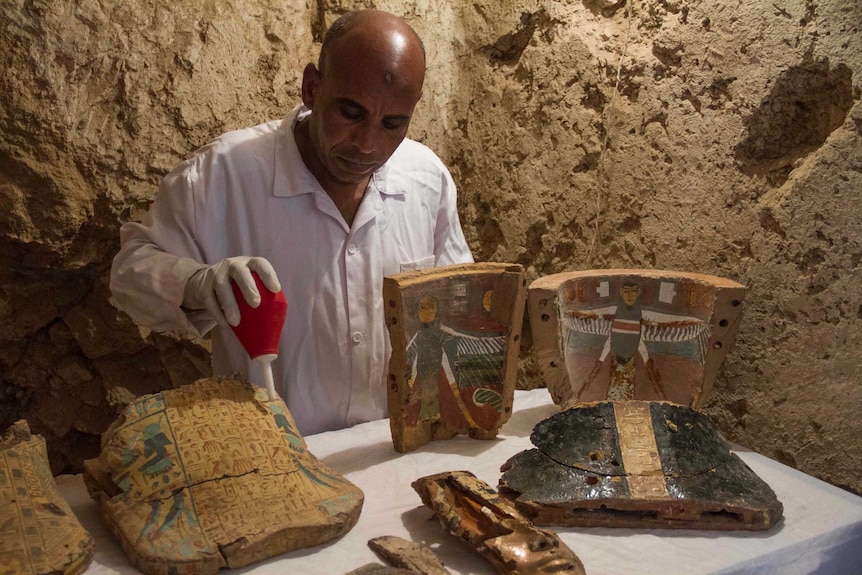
(213, 475)
(632, 334)
(472, 511)
(455, 335)
(636, 464)
(404, 554)
(39, 533)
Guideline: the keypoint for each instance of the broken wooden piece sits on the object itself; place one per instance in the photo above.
(409, 555)
(636, 464)
(376, 569)
(39, 533)
(632, 333)
(471, 510)
(455, 334)
(212, 475)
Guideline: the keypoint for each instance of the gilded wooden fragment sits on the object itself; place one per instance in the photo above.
(39, 533)
(212, 475)
(472, 511)
(636, 464)
(455, 334)
(632, 333)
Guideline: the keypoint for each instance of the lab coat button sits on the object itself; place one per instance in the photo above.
(351, 249)
(357, 337)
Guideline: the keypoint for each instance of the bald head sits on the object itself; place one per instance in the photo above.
(378, 37)
(361, 98)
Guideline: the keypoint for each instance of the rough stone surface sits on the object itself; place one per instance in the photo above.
(715, 137)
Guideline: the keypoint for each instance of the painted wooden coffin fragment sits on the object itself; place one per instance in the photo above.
(472, 511)
(455, 334)
(213, 475)
(409, 555)
(39, 533)
(636, 464)
(632, 333)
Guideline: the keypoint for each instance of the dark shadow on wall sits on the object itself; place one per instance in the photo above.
(806, 104)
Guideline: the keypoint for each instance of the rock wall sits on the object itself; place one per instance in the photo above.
(719, 137)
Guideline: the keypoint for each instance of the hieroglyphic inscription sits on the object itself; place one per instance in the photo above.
(38, 531)
(638, 449)
(215, 474)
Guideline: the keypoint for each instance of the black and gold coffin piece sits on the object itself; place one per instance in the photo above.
(636, 464)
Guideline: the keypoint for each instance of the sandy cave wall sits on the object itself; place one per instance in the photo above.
(730, 146)
(718, 137)
(97, 102)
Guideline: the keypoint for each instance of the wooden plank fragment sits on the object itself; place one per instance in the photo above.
(409, 555)
(472, 511)
(636, 464)
(212, 475)
(39, 533)
(624, 334)
(455, 334)
(375, 569)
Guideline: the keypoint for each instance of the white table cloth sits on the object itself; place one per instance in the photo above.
(821, 531)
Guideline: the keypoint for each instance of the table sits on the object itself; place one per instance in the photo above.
(821, 531)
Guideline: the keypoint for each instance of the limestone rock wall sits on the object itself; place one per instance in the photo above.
(98, 100)
(719, 137)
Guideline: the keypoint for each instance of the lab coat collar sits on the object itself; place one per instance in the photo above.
(293, 178)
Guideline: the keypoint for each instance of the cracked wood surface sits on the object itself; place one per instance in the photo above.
(214, 475)
(636, 464)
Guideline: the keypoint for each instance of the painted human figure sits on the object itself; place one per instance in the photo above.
(628, 327)
(434, 359)
(454, 370)
(622, 344)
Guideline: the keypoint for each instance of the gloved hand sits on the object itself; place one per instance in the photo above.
(209, 288)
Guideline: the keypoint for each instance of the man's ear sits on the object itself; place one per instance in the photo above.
(310, 81)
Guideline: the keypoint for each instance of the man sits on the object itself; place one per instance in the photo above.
(322, 204)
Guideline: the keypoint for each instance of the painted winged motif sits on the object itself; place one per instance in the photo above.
(631, 335)
(469, 362)
(652, 327)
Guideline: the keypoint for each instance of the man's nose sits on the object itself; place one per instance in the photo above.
(364, 137)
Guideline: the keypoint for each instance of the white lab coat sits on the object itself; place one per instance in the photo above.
(249, 193)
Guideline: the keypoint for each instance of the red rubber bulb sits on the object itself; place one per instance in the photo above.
(259, 328)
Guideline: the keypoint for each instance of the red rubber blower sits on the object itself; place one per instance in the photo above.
(259, 328)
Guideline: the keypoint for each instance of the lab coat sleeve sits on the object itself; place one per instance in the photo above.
(450, 247)
(158, 255)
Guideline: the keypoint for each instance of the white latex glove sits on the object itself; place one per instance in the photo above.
(209, 288)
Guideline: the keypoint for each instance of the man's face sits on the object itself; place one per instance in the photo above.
(360, 112)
